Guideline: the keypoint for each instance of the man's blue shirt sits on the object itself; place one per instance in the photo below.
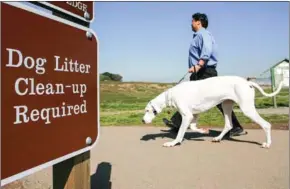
(203, 47)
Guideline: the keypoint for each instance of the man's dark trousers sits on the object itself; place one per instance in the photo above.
(203, 74)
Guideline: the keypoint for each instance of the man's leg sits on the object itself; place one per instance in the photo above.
(174, 123)
(237, 128)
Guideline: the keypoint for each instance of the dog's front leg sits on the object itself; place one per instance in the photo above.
(186, 119)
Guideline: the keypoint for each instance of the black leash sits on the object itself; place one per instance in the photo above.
(195, 75)
(182, 78)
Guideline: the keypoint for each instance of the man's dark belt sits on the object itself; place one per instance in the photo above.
(211, 66)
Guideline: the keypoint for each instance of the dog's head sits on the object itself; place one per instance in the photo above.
(151, 111)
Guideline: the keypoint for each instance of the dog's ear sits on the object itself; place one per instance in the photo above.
(156, 108)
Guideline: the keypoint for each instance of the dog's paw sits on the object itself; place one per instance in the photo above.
(266, 145)
(169, 144)
(216, 139)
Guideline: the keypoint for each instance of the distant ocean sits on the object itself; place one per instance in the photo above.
(263, 81)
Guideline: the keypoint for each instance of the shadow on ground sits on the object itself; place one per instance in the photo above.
(102, 177)
(193, 136)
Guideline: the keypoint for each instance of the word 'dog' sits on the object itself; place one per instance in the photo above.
(16, 59)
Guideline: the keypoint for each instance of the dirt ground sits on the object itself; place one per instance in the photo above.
(133, 158)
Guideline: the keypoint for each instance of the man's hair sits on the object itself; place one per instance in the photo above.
(202, 18)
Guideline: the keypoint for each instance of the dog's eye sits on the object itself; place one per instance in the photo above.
(155, 112)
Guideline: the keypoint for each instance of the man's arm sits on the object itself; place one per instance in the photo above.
(205, 43)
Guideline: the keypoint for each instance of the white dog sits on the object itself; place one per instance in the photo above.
(193, 97)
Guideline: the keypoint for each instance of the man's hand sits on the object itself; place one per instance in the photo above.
(197, 68)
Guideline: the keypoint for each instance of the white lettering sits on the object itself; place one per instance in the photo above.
(23, 114)
(82, 68)
(39, 65)
(84, 107)
(56, 64)
(28, 61)
(87, 69)
(83, 89)
(34, 115)
(85, 7)
(69, 110)
(70, 66)
(75, 89)
(79, 89)
(55, 115)
(16, 86)
(10, 58)
(76, 109)
(78, 4)
(47, 114)
(38, 89)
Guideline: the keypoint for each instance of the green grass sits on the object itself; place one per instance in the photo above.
(122, 104)
(211, 118)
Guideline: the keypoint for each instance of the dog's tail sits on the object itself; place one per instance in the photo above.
(267, 94)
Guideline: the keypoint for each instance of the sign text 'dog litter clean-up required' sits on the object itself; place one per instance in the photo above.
(49, 90)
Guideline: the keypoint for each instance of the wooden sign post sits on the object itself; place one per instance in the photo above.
(49, 96)
(73, 173)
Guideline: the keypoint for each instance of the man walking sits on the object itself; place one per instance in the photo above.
(202, 62)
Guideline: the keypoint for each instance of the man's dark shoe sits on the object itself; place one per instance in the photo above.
(236, 131)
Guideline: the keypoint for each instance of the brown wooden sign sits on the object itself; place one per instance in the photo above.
(83, 10)
(49, 90)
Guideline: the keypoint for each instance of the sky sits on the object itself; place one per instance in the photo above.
(149, 41)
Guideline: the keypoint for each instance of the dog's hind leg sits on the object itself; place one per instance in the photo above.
(186, 119)
(250, 111)
(227, 109)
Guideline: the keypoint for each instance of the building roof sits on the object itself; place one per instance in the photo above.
(284, 60)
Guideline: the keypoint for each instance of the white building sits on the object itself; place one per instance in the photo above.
(279, 72)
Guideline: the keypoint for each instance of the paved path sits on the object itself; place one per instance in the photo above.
(133, 158)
